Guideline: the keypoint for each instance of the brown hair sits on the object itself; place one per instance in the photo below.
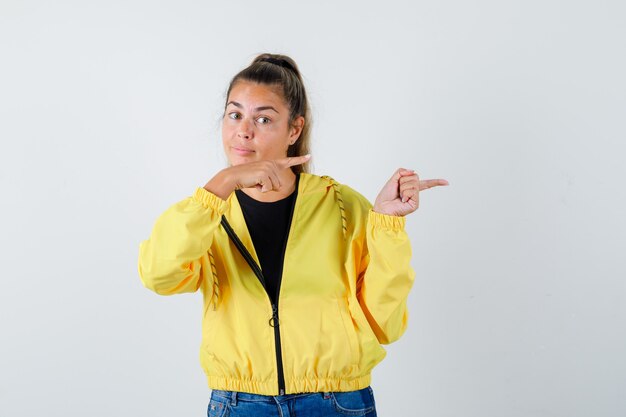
(281, 71)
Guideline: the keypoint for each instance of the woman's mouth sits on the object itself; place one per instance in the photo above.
(242, 151)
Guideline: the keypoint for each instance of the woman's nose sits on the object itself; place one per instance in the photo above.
(244, 130)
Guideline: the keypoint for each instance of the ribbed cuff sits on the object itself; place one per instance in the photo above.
(210, 200)
(386, 221)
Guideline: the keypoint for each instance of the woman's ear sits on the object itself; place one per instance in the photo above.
(296, 129)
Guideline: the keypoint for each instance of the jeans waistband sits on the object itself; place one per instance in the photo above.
(234, 396)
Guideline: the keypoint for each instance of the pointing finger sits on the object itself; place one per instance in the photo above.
(292, 160)
(426, 184)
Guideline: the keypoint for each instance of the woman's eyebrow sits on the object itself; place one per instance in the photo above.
(234, 103)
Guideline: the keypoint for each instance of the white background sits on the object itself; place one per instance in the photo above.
(109, 113)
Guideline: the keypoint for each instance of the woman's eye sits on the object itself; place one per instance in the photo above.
(263, 120)
(233, 115)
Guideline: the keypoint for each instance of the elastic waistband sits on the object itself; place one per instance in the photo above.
(302, 385)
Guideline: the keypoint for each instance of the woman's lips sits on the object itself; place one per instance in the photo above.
(242, 151)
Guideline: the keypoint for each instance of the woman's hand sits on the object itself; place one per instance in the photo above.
(263, 175)
(400, 195)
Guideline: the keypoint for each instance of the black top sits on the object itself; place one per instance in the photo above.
(268, 224)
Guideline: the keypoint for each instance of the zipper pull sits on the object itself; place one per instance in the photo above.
(274, 319)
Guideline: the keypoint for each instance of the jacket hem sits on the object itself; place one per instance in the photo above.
(241, 385)
(292, 386)
(327, 384)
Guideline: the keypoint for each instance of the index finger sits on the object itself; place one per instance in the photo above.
(426, 184)
(292, 160)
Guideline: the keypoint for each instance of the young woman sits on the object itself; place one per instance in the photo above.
(303, 279)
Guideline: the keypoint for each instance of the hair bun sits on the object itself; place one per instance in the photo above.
(278, 61)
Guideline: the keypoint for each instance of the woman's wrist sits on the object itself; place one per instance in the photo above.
(376, 209)
(379, 210)
(220, 185)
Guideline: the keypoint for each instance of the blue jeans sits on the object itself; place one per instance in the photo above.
(307, 404)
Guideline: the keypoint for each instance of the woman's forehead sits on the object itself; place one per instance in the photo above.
(250, 94)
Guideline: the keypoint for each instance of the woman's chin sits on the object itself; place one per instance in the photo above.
(238, 159)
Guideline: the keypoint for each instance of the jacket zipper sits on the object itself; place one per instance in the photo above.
(275, 323)
(274, 320)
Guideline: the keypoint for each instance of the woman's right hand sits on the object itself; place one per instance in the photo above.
(263, 175)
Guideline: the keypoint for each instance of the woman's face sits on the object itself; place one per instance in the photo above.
(255, 125)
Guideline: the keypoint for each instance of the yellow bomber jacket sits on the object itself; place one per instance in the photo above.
(346, 278)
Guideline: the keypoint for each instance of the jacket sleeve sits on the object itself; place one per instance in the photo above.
(385, 276)
(170, 261)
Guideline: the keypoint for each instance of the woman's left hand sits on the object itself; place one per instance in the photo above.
(400, 195)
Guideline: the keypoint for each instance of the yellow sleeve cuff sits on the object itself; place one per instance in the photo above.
(210, 200)
(386, 221)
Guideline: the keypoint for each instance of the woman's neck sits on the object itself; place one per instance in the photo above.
(288, 185)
